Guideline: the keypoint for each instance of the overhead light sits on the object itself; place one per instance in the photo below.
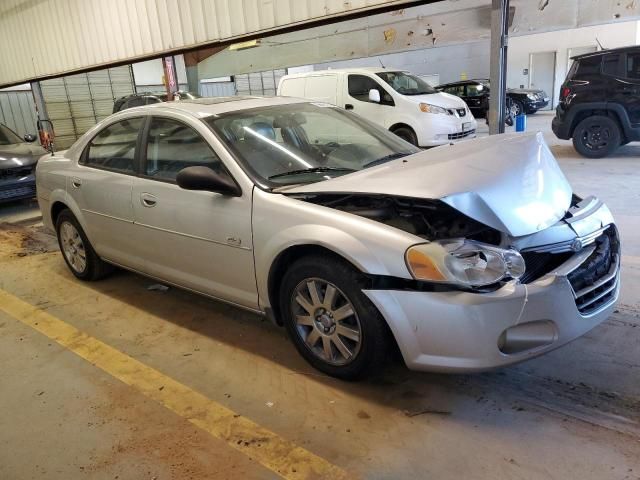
(244, 45)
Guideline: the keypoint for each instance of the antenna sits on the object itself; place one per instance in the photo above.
(599, 44)
(382, 64)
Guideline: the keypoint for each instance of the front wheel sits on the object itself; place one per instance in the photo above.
(407, 134)
(333, 325)
(78, 253)
(596, 136)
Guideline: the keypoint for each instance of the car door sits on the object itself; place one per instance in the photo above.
(101, 186)
(196, 239)
(357, 99)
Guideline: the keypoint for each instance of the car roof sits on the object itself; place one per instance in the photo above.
(207, 106)
(464, 82)
(632, 48)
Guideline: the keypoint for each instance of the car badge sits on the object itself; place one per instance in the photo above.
(576, 245)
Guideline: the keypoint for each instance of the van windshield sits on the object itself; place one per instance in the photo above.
(406, 84)
(304, 142)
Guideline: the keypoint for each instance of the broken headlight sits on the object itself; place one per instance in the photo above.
(464, 262)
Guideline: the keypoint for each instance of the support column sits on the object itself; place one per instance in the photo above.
(499, 41)
(46, 133)
(192, 78)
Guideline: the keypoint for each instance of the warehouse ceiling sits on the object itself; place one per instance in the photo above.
(442, 23)
(42, 38)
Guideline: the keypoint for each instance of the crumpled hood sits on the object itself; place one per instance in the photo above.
(19, 154)
(509, 182)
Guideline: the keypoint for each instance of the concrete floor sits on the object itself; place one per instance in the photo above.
(574, 413)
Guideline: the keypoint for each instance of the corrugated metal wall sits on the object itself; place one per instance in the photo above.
(259, 83)
(18, 112)
(217, 89)
(52, 37)
(75, 103)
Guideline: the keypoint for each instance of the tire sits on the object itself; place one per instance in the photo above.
(517, 108)
(596, 136)
(314, 324)
(77, 251)
(407, 134)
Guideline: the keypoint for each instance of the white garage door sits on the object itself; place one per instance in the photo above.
(75, 103)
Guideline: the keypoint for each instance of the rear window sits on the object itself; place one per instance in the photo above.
(585, 67)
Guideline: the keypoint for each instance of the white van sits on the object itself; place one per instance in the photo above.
(397, 100)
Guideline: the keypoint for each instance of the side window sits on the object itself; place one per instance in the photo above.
(359, 86)
(172, 146)
(610, 65)
(633, 65)
(135, 102)
(588, 66)
(114, 147)
(475, 90)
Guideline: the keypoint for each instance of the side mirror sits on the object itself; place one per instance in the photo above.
(374, 95)
(29, 137)
(205, 179)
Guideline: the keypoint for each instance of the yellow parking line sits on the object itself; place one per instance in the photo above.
(275, 453)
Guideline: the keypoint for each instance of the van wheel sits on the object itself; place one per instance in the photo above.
(333, 325)
(407, 134)
(78, 253)
(596, 136)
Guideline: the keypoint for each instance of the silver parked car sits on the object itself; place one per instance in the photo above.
(468, 257)
(17, 165)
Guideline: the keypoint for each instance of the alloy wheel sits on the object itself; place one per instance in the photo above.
(326, 321)
(596, 137)
(73, 247)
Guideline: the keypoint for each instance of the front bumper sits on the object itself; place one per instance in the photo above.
(448, 130)
(535, 106)
(19, 189)
(460, 331)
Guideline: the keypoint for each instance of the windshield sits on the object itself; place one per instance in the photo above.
(406, 84)
(304, 142)
(7, 137)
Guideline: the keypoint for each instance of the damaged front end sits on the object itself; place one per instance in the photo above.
(429, 219)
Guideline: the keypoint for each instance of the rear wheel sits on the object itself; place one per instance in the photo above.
(78, 253)
(596, 136)
(407, 134)
(333, 325)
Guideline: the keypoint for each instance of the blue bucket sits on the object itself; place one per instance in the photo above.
(521, 123)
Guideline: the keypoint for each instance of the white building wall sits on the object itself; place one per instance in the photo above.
(150, 72)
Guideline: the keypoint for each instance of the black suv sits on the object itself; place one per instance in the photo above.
(147, 98)
(600, 102)
(476, 94)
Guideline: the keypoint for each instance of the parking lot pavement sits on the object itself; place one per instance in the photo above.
(574, 413)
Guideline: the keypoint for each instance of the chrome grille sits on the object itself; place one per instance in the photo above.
(595, 281)
(15, 173)
(567, 246)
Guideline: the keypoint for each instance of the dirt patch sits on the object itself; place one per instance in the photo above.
(21, 241)
(155, 443)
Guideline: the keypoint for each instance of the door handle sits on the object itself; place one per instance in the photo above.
(348, 106)
(148, 200)
(76, 182)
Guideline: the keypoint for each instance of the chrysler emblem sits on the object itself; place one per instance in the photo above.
(576, 245)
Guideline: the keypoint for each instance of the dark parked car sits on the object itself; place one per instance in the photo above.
(476, 94)
(147, 98)
(17, 165)
(600, 102)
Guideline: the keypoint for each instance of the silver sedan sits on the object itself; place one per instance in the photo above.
(467, 257)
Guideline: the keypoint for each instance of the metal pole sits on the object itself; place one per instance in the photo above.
(499, 41)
